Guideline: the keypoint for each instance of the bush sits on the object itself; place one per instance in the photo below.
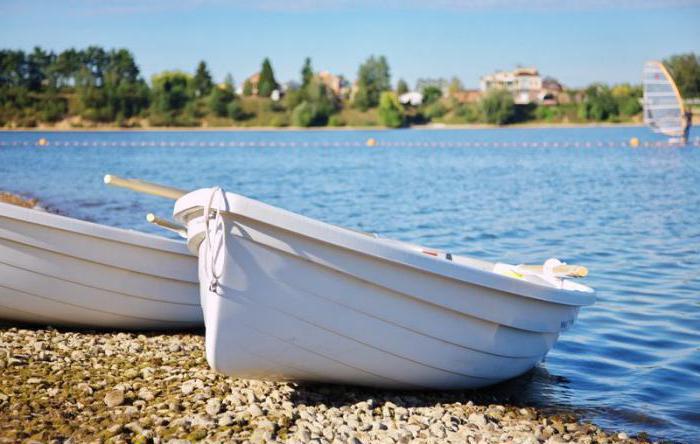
(435, 110)
(336, 120)
(53, 110)
(497, 107)
(391, 112)
(599, 104)
(236, 111)
(548, 113)
(303, 115)
(219, 100)
(431, 94)
(629, 106)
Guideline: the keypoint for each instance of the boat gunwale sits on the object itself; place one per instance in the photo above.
(93, 229)
(237, 205)
(95, 262)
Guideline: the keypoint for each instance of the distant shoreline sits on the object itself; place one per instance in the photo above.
(431, 127)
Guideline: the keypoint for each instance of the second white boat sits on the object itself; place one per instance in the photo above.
(58, 270)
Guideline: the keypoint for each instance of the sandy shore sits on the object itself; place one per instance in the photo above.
(128, 387)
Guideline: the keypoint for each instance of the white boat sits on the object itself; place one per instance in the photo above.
(664, 110)
(61, 271)
(287, 297)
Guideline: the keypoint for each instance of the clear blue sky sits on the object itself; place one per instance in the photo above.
(578, 42)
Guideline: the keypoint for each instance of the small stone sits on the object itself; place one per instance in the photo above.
(478, 419)
(213, 407)
(189, 386)
(114, 429)
(255, 411)
(437, 430)
(130, 411)
(114, 398)
(623, 435)
(225, 420)
(145, 394)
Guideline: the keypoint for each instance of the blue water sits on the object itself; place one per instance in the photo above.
(631, 362)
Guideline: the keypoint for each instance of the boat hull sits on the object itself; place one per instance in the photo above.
(56, 270)
(281, 304)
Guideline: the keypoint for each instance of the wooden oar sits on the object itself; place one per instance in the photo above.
(142, 186)
(565, 270)
(168, 225)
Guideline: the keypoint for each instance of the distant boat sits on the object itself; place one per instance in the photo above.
(664, 110)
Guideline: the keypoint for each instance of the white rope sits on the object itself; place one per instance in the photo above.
(209, 263)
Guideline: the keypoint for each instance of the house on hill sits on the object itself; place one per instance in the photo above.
(524, 83)
(336, 84)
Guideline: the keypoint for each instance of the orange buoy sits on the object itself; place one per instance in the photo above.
(43, 142)
(371, 141)
(634, 142)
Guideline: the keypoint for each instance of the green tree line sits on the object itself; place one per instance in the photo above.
(93, 86)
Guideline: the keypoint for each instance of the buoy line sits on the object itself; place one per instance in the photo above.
(371, 143)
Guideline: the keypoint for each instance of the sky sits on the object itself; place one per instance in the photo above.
(575, 41)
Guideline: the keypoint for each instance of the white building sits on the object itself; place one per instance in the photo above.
(413, 98)
(524, 83)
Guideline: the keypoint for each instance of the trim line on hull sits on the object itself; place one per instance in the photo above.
(103, 263)
(118, 315)
(374, 347)
(160, 301)
(392, 290)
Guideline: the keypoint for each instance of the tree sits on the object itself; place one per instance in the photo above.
(303, 114)
(401, 87)
(247, 88)
(431, 94)
(455, 86)
(373, 78)
(38, 63)
(599, 103)
(219, 99)
(228, 81)
(307, 73)
(267, 82)
(171, 93)
(391, 112)
(235, 110)
(685, 70)
(202, 81)
(498, 107)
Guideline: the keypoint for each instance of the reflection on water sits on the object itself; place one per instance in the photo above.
(631, 361)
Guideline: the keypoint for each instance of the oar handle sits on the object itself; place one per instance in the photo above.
(142, 186)
(168, 225)
(567, 270)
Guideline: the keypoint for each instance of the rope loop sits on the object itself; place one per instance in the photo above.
(209, 263)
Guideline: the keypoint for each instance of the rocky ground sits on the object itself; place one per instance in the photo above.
(77, 386)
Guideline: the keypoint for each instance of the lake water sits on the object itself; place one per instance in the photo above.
(631, 362)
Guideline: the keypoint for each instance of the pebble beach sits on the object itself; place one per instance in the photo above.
(59, 386)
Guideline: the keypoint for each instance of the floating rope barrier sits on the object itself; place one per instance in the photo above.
(372, 143)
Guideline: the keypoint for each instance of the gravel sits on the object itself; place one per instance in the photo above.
(83, 386)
